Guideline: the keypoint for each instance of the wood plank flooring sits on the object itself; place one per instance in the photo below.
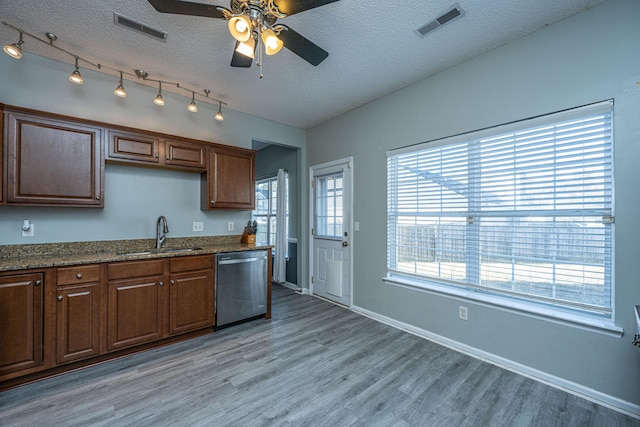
(313, 364)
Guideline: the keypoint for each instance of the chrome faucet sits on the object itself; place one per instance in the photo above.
(161, 231)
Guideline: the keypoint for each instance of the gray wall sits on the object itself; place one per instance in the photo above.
(268, 161)
(590, 57)
(134, 197)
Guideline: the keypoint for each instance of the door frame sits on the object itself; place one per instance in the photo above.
(348, 226)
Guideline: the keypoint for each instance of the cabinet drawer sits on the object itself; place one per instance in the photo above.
(191, 263)
(79, 274)
(128, 270)
(133, 147)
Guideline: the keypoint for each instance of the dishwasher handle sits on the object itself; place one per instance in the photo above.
(238, 260)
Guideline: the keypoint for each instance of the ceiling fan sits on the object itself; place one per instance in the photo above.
(253, 23)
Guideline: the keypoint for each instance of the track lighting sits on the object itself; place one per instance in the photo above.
(120, 89)
(75, 76)
(14, 50)
(192, 105)
(159, 100)
(219, 117)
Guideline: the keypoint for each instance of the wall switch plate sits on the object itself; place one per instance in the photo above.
(463, 312)
(30, 232)
(356, 226)
(198, 226)
(230, 226)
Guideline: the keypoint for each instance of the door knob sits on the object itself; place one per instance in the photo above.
(345, 244)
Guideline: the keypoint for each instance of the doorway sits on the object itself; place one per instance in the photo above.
(331, 234)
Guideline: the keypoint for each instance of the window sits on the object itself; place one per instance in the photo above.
(522, 211)
(265, 212)
(328, 215)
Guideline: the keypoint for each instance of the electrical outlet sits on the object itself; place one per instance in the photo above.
(30, 232)
(198, 226)
(230, 226)
(356, 226)
(463, 312)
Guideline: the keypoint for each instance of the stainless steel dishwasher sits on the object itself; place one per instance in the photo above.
(241, 286)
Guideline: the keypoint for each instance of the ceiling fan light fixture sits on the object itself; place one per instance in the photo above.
(272, 44)
(240, 27)
(247, 48)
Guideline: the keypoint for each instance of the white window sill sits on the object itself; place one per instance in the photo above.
(603, 326)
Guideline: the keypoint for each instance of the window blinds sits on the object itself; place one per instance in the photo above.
(523, 210)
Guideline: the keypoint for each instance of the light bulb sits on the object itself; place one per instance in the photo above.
(192, 107)
(120, 92)
(241, 26)
(13, 50)
(159, 100)
(75, 77)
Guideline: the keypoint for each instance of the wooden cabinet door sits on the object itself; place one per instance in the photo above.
(185, 154)
(21, 309)
(133, 147)
(77, 322)
(231, 179)
(53, 162)
(191, 301)
(134, 312)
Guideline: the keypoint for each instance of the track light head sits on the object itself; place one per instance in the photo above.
(219, 117)
(192, 105)
(159, 100)
(75, 76)
(14, 50)
(120, 89)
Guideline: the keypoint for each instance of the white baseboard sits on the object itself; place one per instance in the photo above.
(611, 402)
(291, 286)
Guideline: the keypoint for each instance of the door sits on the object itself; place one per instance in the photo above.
(78, 322)
(331, 231)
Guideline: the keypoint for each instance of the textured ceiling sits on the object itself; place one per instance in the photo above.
(373, 49)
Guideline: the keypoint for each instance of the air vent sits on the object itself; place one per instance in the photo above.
(454, 13)
(140, 27)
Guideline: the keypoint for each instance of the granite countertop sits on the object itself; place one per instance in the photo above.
(23, 257)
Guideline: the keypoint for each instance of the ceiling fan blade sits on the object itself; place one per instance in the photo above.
(187, 8)
(305, 49)
(240, 60)
(291, 7)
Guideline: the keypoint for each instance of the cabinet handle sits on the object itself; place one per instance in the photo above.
(161, 283)
(97, 197)
(59, 298)
(156, 155)
(173, 282)
(213, 202)
(79, 275)
(38, 282)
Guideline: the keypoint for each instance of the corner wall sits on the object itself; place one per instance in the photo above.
(589, 57)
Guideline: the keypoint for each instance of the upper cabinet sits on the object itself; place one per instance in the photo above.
(230, 179)
(153, 150)
(52, 162)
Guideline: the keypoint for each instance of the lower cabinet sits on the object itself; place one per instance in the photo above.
(78, 313)
(191, 296)
(21, 322)
(77, 322)
(134, 305)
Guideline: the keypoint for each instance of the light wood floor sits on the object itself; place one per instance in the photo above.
(313, 364)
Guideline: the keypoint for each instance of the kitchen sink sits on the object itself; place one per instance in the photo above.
(135, 253)
(179, 250)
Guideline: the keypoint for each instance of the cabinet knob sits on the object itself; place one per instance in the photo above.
(213, 201)
(38, 282)
(79, 275)
(97, 197)
(173, 282)
(161, 283)
(59, 298)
